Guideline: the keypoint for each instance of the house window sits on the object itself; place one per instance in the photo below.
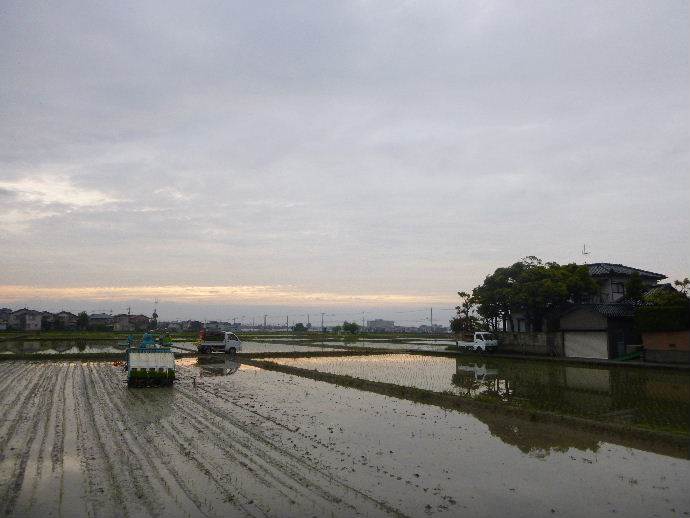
(618, 288)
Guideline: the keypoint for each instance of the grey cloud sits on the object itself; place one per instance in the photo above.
(392, 146)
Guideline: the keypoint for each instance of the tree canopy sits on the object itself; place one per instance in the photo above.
(350, 327)
(531, 287)
(82, 320)
(464, 322)
(299, 327)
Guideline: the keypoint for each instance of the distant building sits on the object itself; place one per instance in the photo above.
(121, 323)
(140, 322)
(100, 320)
(380, 326)
(25, 320)
(65, 320)
(432, 329)
(191, 325)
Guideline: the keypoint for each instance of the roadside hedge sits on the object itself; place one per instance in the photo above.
(662, 318)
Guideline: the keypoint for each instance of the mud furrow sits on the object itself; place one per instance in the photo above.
(16, 477)
(211, 473)
(88, 424)
(57, 451)
(137, 446)
(269, 462)
(259, 470)
(165, 455)
(17, 405)
(153, 442)
(287, 462)
(45, 434)
(130, 469)
(10, 373)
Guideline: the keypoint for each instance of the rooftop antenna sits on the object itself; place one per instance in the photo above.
(585, 252)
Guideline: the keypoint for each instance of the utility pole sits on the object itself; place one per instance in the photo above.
(265, 321)
(287, 323)
(308, 319)
(431, 317)
(322, 328)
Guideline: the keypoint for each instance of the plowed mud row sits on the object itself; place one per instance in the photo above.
(75, 441)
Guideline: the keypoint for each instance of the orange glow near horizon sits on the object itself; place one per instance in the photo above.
(214, 294)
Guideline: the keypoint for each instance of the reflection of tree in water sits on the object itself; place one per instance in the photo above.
(535, 438)
(216, 365)
(475, 379)
(655, 398)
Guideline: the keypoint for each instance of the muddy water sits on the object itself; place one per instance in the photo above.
(259, 347)
(653, 398)
(76, 441)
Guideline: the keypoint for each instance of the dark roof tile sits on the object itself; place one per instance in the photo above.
(603, 269)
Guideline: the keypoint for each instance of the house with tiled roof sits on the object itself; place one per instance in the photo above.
(612, 279)
(602, 326)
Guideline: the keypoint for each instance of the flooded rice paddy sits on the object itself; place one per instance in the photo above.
(646, 397)
(65, 347)
(90, 347)
(250, 442)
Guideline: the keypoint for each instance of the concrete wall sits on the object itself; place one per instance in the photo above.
(550, 344)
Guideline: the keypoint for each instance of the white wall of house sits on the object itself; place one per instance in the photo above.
(33, 322)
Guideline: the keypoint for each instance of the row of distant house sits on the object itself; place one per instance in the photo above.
(32, 320)
(380, 325)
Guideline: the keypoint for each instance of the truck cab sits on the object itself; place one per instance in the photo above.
(225, 341)
(482, 341)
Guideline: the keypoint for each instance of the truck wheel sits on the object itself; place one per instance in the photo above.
(232, 351)
(478, 350)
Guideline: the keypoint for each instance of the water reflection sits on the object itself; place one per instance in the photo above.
(48, 347)
(217, 365)
(648, 397)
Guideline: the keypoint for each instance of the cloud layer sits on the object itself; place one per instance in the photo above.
(339, 147)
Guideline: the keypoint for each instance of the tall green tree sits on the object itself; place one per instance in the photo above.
(530, 287)
(82, 320)
(351, 327)
(634, 289)
(464, 321)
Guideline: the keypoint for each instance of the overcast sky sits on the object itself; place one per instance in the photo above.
(368, 156)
